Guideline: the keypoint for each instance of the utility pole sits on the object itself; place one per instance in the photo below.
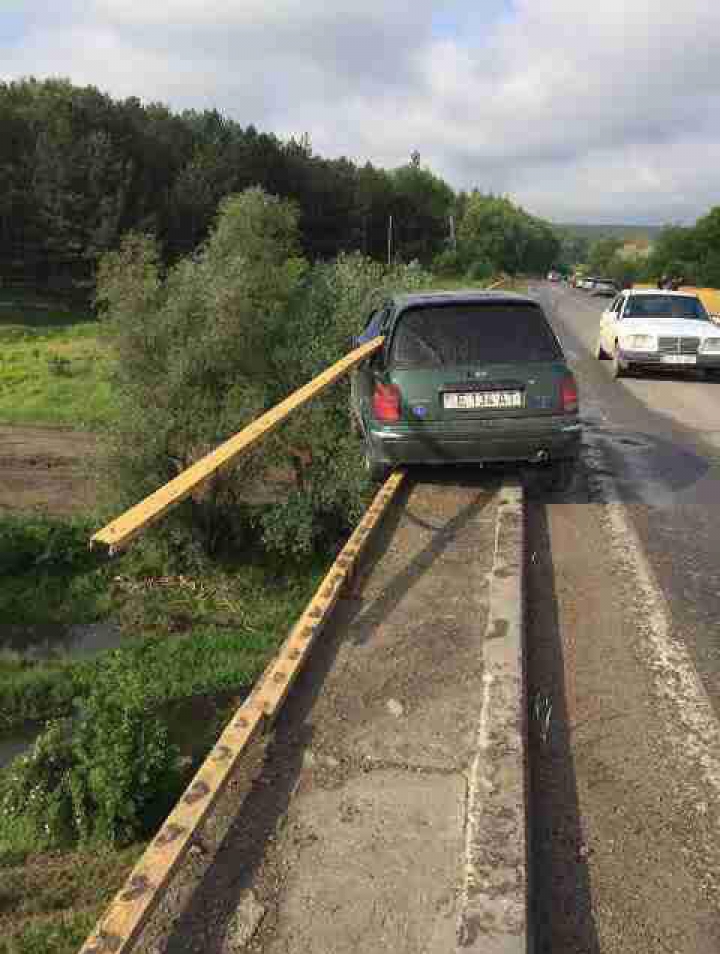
(390, 235)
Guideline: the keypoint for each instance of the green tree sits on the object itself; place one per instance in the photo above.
(195, 354)
(706, 247)
(224, 336)
(421, 205)
(602, 253)
(675, 251)
(496, 233)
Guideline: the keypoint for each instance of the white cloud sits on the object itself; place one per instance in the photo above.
(605, 114)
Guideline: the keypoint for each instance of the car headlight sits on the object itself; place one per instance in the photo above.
(639, 343)
(711, 346)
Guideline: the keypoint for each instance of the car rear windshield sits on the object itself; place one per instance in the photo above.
(476, 333)
(667, 306)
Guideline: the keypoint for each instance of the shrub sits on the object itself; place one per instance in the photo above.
(38, 788)
(479, 270)
(109, 775)
(125, 774)
(221, 338)
(447, 263)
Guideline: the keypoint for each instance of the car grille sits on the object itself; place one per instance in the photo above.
(678, 345)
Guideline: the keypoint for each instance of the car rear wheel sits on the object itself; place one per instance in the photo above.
(377, 471)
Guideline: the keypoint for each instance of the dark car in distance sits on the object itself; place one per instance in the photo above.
(465, 377)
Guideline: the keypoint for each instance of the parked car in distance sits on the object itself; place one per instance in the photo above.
(604, 286)
(553, 276)
(467, 377)
(645, 329)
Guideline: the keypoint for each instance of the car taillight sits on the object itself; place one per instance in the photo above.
(386, 402)
(569, 395)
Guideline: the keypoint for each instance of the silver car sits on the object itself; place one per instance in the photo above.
(602, 287)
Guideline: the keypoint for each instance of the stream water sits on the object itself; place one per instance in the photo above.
(38, 643)
(46, 642)
(51, 641)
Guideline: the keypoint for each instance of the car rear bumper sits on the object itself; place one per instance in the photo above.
(484, 442)
(651, 359)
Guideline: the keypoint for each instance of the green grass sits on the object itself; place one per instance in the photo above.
(62, 934)
(53, 369)
(49, 906)
(213, 631)
(53, 375)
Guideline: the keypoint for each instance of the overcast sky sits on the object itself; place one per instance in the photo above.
(607, 112)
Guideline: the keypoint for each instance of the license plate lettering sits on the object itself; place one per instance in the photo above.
(679, 359)
(483, 400)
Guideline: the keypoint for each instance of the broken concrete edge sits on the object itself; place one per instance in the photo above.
(494, 915)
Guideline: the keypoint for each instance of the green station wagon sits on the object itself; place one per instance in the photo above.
(465, 377)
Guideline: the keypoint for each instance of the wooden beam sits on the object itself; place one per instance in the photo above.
(132, 907)
(124, 528)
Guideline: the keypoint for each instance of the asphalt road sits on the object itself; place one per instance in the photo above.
(624, 655)
(660, 433)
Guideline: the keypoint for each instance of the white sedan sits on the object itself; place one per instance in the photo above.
(650, 329)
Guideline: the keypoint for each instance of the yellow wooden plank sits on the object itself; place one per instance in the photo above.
(710, 297)
(134, 904)
(121, 531)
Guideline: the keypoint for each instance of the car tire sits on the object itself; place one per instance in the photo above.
(618, 371)
(560, 475)
(377, 471)
(711, 374)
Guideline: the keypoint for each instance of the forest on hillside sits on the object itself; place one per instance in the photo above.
(80, 169)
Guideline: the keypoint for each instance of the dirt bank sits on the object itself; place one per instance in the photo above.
(46, 469)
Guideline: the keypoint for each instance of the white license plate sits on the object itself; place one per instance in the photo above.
(679, 359)
(483, 399)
